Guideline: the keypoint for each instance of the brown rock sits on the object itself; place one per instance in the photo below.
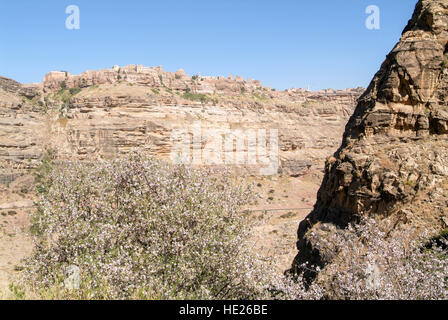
(394, 151)
(114, 110)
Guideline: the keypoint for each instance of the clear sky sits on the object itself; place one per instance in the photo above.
(283, 43)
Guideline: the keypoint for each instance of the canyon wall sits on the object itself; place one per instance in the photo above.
(393, 162)
(107, 113)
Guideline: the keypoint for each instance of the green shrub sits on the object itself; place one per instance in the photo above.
(74, 91)
(195, 97)
(445, 62)
(43, 172)
(63, 85)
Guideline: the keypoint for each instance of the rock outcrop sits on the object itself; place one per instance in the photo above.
(393, 162)
(108, 112)
(151, 77)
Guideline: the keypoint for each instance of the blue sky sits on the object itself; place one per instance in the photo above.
(283, 43)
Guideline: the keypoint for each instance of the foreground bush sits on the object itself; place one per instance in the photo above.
(139, 228)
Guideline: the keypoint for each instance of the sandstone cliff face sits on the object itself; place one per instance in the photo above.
(393, 161)
(21, 134)
(152, 77)
(108, 112)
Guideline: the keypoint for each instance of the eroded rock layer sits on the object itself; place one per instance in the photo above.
(107, 113)
(393, 161)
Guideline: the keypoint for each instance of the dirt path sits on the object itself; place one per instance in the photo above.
(15, 241)
(15, 245)
(276, 235)
(277, 215)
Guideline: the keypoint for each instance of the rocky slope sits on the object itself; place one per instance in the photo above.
(108, 112)
(393, 162)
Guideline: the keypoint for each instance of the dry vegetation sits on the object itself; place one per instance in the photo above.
(138, 228)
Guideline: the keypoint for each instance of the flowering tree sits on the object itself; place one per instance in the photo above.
(372, 264)
(140, 228)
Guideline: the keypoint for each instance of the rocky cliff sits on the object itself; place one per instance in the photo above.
(108, 112)
(393, 162)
